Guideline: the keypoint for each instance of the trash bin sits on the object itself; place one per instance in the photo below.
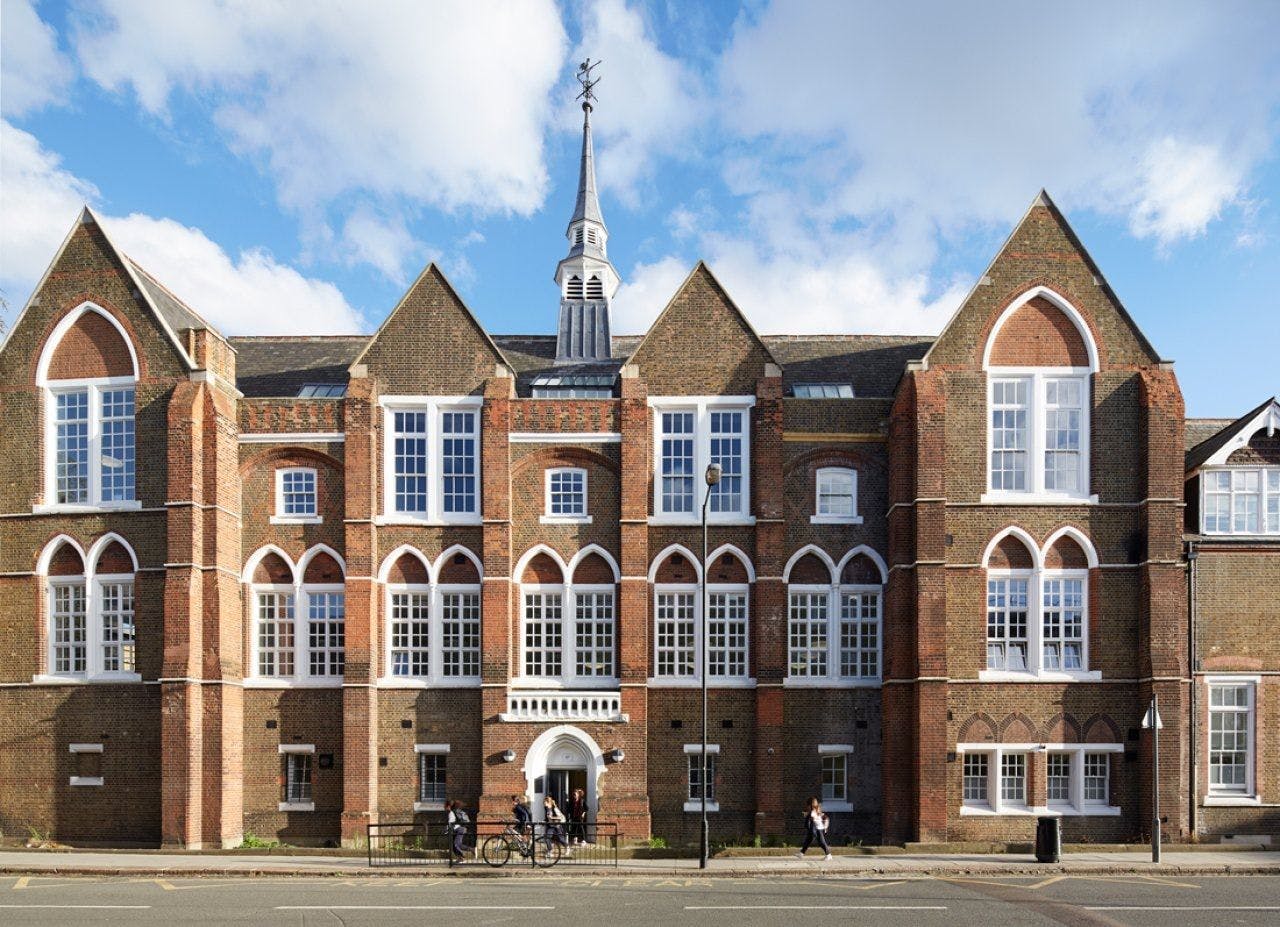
(1048, 840)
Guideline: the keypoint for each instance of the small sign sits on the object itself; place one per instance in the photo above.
(1146, 720)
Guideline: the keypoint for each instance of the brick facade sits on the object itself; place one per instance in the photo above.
(194, 744)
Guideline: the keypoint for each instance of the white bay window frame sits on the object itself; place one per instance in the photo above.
(1036, 442)
(701, 638)
(434, 408)
(833, 594)
(435, 676)
(996, 804)
(701, 408)
(568, 677)
(95, 387)
(1035, 669)
(1265, 497)
(1247, 794)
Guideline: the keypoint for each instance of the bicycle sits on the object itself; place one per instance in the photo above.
(497, 850)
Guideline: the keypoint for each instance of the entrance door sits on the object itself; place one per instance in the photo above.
(565, 771)
(562, 782)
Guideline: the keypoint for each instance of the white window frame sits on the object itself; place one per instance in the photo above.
(301, 676)
(1037, 413)
(280, 518)
(435, 677)
(701, 407)
(95, 386)
(700, 634)
(75, 749)
(1262, 495)
(93, 672)
(286, 751)
(550, 518)
(693, 753)
(1035, 671)
(420, 750)
(568, 677)
(818, 518)
(844, 751)
(995, 803)
(834, 593)
(1248, 796)
(435, 407)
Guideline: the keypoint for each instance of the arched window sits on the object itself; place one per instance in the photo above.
(573, 287)
(678, 638)
(568, 618)
(299, 617)
(595, 288)
(834, 617)
(90, 607)
(88, 371)
(1038, 606)
(433, 615)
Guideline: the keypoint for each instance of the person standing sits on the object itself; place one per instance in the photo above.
(578, 817)
(523, 814)
(815, 828)
(457, 826)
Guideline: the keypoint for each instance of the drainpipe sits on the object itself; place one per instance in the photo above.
(1193, 665)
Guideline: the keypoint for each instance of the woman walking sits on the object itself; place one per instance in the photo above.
(815, 828)
(554, 818)
(457, 825)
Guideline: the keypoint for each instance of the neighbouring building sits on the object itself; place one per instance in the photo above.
(289, 586)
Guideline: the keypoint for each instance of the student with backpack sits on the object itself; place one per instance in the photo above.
(815, 828)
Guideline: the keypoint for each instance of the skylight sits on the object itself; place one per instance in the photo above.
(822, 391)
(323, 391)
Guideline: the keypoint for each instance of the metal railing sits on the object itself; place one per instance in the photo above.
(494, 843)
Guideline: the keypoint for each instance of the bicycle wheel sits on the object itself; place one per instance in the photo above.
(496, 850)
(546, 852)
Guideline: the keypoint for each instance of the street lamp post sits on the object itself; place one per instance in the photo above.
(712, 477)
(1151, 721)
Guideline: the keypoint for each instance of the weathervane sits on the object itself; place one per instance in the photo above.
(588, 84)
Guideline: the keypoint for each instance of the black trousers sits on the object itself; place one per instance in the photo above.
(812, 834)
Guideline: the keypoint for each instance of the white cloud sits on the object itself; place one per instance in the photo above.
(822, 294)
(941, 118)
(384, 243)
(442, 103)
(646, 107)
(248, 293)
(33, 72)
(1183, 187)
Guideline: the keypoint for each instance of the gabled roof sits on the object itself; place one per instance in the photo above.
(282, 365)
(433, 268)
(1219, 446)
(701, 267)
(1042, 199)
(172, 318)
(871, 364)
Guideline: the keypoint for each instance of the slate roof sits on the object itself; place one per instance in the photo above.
(1199, 453)
(177, 314)
(1199, 430)
(872, 363)
(280, 366)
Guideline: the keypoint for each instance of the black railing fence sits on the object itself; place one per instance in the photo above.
(494, 843)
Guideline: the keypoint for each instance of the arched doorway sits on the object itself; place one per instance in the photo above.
(560, 760)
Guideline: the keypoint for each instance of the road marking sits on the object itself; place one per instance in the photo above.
(414, 907)
(22, 882)
(1180, 907)
(814, 907)
(82, 907)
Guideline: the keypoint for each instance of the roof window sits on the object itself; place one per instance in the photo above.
(323, 391)
(822, 391)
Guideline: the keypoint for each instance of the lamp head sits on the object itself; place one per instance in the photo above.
(713, 473)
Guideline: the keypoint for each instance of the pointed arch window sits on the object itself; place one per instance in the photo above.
(678, 633)
(89, 603)
(298, 635)
(433, 619)
(568, 620)
(834, 618)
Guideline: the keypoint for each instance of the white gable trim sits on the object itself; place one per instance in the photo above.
(1268, 418)
(1070, 311)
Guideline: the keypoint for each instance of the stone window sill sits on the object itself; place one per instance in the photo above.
(695, 807)
(1231, 801)
(564, 519)
(1048, 676)
(86, 780)
(297, 806)
(835, 519)
(296, 520)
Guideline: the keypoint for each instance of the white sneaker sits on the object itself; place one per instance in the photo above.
(827, 858)
(800, 855)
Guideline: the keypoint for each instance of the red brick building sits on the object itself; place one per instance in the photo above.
(292, 586)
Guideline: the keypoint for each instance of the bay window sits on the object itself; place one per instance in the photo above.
(1037, 434)
(431, 459)
(690, 433)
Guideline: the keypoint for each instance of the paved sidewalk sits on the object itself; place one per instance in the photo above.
(88, 862)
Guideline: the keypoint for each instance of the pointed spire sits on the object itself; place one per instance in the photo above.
(587, 208)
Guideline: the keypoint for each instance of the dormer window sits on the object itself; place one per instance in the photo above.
(573, 288)
(595, 289)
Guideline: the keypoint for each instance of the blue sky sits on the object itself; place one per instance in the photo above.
(290, 167)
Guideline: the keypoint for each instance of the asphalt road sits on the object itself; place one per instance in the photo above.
(1076, 901)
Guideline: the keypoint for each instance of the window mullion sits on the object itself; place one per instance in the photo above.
(1035, 622)
(701, 459)
(995, 781)
(95, 447)
(833, 631)
(1077, 779)
(1035, 432)
(435, 483)
(569, 634)
(301, 639)
(92, 627)
(435, 633)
